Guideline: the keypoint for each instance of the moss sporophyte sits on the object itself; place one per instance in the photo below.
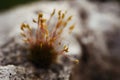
(43, 42)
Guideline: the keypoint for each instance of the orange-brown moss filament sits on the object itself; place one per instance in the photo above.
(42, 45)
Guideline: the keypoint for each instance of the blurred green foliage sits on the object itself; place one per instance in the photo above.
(7, 4)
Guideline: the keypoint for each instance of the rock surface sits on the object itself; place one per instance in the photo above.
(15, 54)
(12, 72)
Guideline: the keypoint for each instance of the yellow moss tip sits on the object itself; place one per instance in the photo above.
(43, 20)
(63, 15)
(40, 15)
(28, 27)
(34, 21)
(53, 12)
(76, 61)
(22, 34)
(25, 40)
(71, 28)
(22, 26)
(69, 18)
(66, 48)
(59, 12)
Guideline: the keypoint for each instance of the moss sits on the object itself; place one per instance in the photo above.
(42, 56)
(43, 43)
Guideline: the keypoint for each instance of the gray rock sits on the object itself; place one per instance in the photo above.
(11, 72)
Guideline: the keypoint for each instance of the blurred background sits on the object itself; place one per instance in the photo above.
(7, 4)
(100, 16)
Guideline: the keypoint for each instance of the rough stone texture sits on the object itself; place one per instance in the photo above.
(15, 54)
(12, 72)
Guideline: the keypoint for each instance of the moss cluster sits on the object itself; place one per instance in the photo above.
(43, 43)
(42, 56)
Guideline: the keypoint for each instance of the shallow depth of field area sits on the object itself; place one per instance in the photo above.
(60, 40)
